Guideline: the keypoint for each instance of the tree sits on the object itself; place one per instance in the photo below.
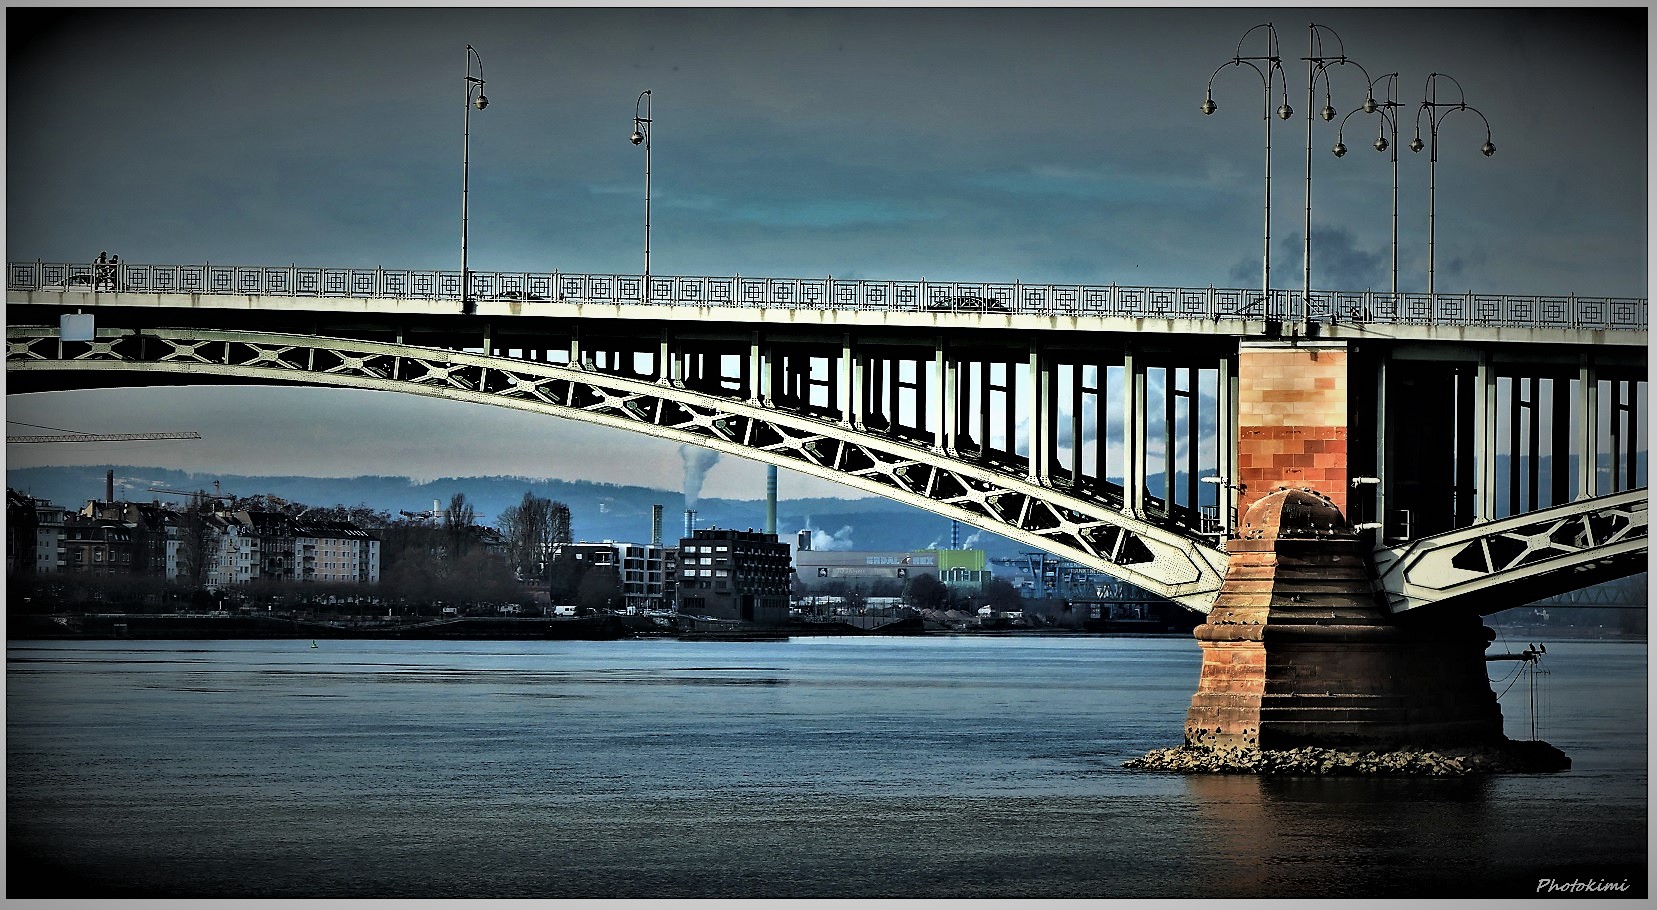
(1001, 596)
(537, 531)
(926, 592)
(458, 521)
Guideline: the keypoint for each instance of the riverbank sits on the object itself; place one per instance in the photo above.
(595, 627)
(1507, 757)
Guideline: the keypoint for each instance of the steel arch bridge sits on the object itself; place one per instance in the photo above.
(972, 402)
(1158, 559)
(1549, 551)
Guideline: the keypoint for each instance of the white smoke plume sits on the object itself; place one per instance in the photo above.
(697, 462)
(839, 540)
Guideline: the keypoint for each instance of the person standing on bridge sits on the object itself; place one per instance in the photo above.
(101, 271)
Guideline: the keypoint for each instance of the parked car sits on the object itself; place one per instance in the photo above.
(971, 304)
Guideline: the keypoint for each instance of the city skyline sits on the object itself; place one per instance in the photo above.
(1048, 146)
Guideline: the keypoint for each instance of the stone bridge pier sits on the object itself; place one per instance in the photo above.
(1299, 650)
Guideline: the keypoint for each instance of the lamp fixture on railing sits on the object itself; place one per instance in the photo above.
(474, 96)
(1431, 105)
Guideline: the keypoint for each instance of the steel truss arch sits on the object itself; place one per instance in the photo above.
(1092, 534)
(1515, 560)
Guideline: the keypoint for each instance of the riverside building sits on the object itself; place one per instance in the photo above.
(729, 574)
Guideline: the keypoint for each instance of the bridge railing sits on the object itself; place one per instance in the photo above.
(1608, 313)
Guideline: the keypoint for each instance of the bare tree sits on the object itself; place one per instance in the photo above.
(537, 531)
(458, 521)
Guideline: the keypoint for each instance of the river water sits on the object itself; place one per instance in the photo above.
(861, 767)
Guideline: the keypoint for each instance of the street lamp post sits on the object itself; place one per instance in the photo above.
(1317, 65)
(1269, 66)
(1431, 106)
(1388, 127)
(641, 133)
(474, 95)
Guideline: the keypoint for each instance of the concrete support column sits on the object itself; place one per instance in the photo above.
(1038, 396)
(1133, 434)
(1225, 426)
(1587, 439)
(1383, 449)
(767, 373)
(951, 406)
(1291, 429)
(1484, 440)
(859, 371)
(844, 386)
(756, 369)
(938, 403)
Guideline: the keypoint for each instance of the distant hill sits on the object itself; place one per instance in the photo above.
(598, 511)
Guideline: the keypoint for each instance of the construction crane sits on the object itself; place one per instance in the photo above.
(102, 437)
(63, 435)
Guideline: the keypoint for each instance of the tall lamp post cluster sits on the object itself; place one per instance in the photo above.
(476, 98)
(1268, 64)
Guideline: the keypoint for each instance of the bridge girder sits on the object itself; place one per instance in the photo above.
(1516, 560)
(1156, 559)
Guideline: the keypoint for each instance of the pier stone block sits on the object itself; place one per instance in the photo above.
(1298, 650)
(1291, 413)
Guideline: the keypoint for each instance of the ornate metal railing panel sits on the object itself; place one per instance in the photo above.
(1156, 559)
(1517, 560)
(1571, 312)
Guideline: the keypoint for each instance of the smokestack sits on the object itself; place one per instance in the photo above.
(771, 499)
(656, 525)
(109, 486)
(690, 521)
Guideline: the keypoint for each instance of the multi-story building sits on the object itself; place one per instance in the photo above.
(270, 546)
(870, 570)
(214, 549)
(728, 574)
(336, 552)
(231, 554)
(34, 534)
(147, 525)
(639, 569)
(97, 546)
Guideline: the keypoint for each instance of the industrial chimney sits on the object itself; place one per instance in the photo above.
(690, 521)
(771, 499)
(109, 487)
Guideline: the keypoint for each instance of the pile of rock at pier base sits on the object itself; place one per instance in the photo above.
(1508, 757)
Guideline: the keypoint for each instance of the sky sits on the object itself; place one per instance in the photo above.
(1061, 145)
